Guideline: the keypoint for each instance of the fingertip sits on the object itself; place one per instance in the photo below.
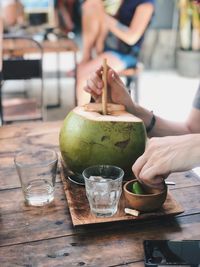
(135, 171)
(112, 77)
(99, 69)
(98, 92)
(111, 73)
(145, 174)
(99, 85)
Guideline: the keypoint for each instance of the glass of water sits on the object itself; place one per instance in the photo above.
(103, 184)
(37, 172)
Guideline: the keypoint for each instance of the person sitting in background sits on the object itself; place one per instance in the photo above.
(64, 15)
(12, 13)
(117, 38)
(174, 146)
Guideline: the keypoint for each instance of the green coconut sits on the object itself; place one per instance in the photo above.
(90, 138)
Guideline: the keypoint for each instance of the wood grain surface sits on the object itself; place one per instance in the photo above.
(21, 47)
(45, 236)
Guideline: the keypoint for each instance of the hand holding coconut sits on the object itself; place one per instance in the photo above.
(106, 107)
(117, 93)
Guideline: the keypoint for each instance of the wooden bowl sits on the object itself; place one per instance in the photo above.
(150, 201)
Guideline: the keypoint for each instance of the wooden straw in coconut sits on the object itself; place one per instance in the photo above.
(104, 92)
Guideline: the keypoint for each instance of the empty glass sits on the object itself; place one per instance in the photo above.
(103, 185)
(37, 172)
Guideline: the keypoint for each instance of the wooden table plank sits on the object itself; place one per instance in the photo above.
(16, 137)
(99, 249)
(31, 220)
(19, 47)
(32, 223)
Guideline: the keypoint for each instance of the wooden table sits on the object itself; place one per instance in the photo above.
(31, 236)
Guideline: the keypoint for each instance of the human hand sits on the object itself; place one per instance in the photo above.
(117, 92)
(165, 155)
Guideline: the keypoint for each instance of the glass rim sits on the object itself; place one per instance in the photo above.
(32, 152)
(105, 165)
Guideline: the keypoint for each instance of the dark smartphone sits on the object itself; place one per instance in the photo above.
(172, 253)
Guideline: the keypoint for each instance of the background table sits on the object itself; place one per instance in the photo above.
(17, 47)
(45, 236)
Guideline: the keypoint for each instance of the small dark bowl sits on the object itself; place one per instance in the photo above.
(150, 201)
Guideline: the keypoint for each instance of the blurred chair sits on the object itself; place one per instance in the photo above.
(17, 66)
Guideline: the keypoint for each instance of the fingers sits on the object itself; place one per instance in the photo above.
(138, 165)
(151, 180)
(113, 77)
(94, 96)
(94, 84)
(148, 173)
(116, 89)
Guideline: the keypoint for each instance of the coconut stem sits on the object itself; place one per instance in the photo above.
(104, 92)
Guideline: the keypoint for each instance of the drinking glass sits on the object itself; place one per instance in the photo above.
(37, 172)
(103, 184)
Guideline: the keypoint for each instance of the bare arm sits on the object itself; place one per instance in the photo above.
(118, 94)
(164, 127)
(139, 23)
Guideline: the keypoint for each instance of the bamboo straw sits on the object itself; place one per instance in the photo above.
(104, 92)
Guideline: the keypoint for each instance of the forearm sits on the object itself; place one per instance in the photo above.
(123, 32)
(161, 127)
(165, 127)
(137, 27)
(192, 146)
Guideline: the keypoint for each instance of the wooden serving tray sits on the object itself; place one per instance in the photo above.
(80, 210)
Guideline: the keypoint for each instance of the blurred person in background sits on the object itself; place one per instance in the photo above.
(65, 15)
(113, 30)
(12, 13)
